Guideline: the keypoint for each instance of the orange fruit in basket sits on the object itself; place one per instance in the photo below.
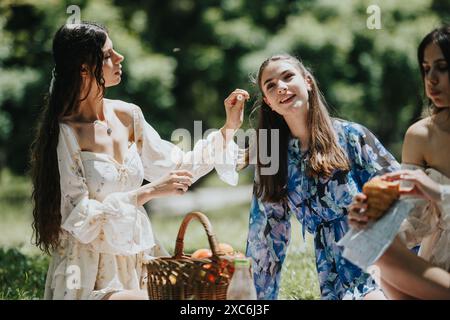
(202, 254)
(226, 248)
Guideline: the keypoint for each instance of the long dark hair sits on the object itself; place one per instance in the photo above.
(441, 37)
(325, 154)
(73, 46)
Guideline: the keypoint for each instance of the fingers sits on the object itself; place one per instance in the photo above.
(357, 224)
(241, 94)
(358, 207)
(183, 173)
(410, 192)
(182, 176)
(356, 212)
(360, 197)
(408, 175)
(356, 216)
(180, 188)
(395, 174)
(181, 180)
(237, 96)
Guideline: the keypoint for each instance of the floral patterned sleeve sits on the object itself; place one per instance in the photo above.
(115, 225)
(159, 156)
(368, 156)
(268, 238)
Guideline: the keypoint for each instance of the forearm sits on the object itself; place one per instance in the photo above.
(144, 194)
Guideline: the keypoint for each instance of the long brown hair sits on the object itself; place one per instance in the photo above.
(441, 37)
(325, 154)
(73, 46)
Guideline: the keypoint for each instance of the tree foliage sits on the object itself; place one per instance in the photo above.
(183, 57)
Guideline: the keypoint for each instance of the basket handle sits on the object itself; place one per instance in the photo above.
(179, 245)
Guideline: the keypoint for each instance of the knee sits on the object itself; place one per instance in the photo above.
(385, 257)
(392, 253)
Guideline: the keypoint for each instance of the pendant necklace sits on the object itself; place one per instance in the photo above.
(108, 128)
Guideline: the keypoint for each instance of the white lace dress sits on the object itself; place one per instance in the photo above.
(429, 224)
(105, 234)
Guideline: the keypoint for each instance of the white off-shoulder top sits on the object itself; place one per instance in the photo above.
(428, 225)
(105, 234)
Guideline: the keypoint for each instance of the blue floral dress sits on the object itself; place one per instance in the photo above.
(320, 204)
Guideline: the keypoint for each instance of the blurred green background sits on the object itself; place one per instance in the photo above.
(182, 59)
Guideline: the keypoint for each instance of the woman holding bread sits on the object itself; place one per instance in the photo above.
(427, 172)
(323, 163)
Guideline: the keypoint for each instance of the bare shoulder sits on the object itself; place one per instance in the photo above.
(416, 141)
(123, 110)
(419, 131)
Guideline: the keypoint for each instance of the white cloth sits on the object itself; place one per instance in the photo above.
(428, 225)
(105, 234)
(416, 222)
(364, 247)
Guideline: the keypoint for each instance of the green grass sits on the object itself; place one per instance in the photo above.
(15, 212)
(22, 276)
(23, 267)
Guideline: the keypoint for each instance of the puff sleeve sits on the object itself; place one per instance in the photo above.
(159, 156)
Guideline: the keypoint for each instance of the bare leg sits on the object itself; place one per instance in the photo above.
(393, 293)
(375, 295)
(127, 295)
(415, 276)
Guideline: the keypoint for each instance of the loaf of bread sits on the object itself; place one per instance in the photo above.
(381, 195)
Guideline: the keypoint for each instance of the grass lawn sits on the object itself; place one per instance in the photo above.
(23, 268)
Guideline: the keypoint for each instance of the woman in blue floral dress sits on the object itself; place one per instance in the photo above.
(323, 162)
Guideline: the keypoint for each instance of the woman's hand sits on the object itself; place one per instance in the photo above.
(356, 217)
(175, 183)
(234, 108)
(422, 185)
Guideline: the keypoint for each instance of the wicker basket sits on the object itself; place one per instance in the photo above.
(182, 277)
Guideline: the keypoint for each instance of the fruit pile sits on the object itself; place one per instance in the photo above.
(207, 253)
(223, 269)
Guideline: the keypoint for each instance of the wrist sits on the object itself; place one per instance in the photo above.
(146, 194)
(228, 132)
(231, 126)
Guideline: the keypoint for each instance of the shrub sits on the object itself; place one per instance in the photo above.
(22, 276)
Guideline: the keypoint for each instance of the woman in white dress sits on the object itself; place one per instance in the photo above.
(89, 160)
(426, 167)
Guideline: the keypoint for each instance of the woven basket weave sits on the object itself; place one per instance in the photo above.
(182, 277)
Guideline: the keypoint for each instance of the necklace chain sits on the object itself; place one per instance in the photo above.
(108, 128)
